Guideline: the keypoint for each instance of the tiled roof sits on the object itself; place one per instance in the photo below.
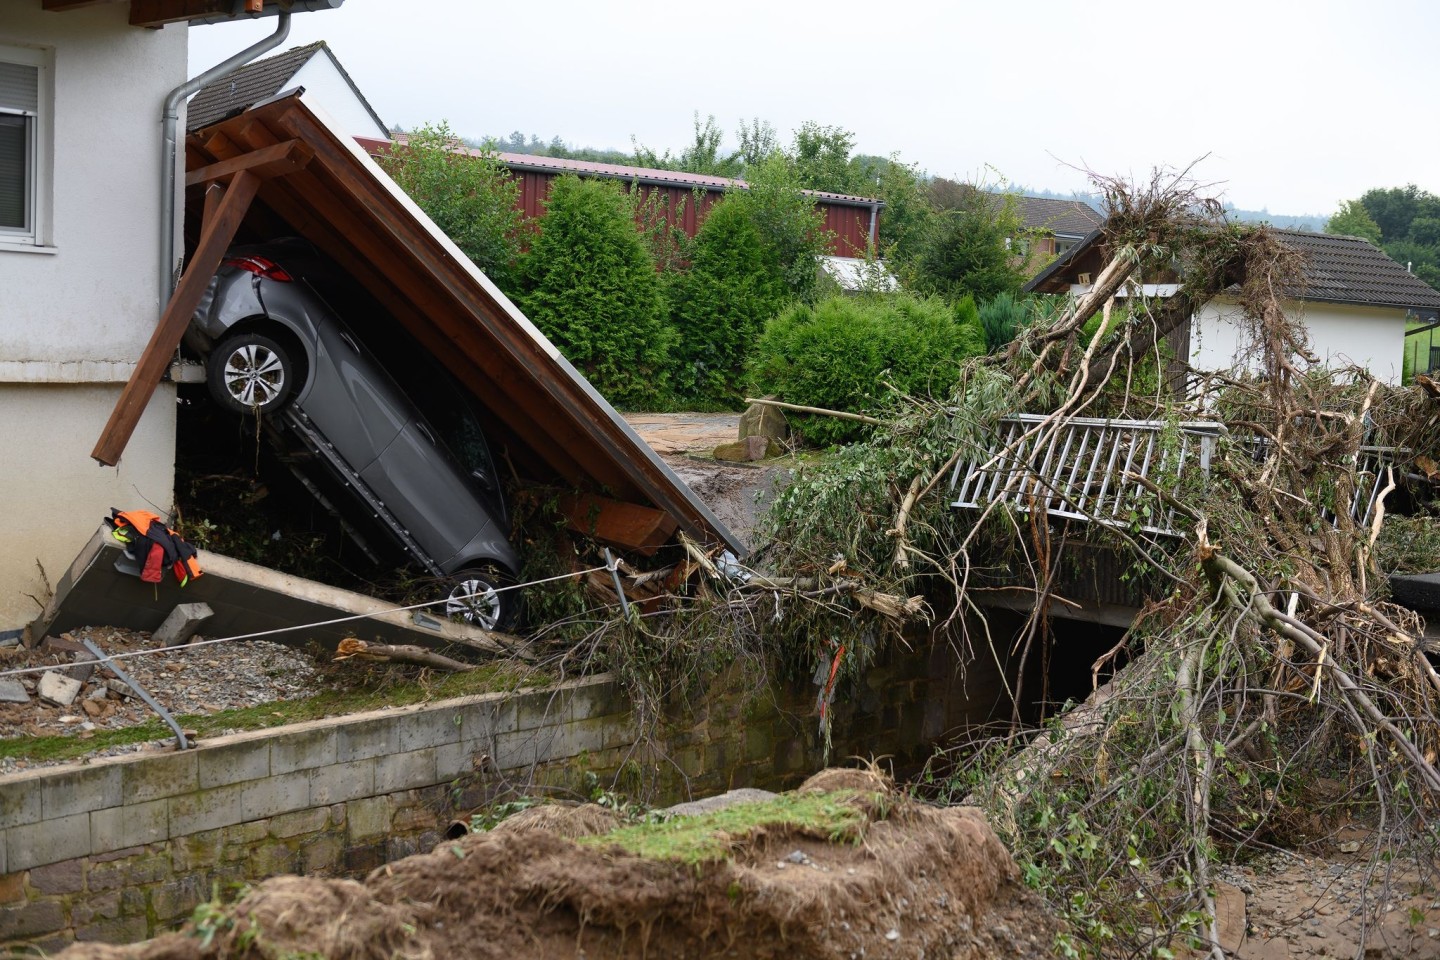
(1353, 270)
(247, 86)
(1336, 270)
(1071, 218)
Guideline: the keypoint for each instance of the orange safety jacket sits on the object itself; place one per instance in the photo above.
(166, 548)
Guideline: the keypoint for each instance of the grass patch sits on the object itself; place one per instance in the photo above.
(710, 836)
(491, 678)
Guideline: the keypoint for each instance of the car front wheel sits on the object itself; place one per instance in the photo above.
(251, 374)
(476, 597)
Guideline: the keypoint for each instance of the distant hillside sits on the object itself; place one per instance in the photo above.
(1286, 221)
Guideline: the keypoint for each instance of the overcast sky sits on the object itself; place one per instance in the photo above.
(1298, 105)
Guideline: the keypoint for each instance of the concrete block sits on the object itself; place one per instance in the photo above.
(48, 841)
(116, 828)
(233, 762)
(57, 688)
(428, 728)
(205, 810)
(182, 623)
(163, 775)
(598, 700)
(299, 823)
(364, 739)
(453, 760)
(20, 801)
(342, 781)
(81, 790)
(275, 795)
(367, 818)
(544, 709)
(13, 691)
(405, 771)
(303, 749)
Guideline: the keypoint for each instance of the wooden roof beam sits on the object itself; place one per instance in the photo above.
(272, 161)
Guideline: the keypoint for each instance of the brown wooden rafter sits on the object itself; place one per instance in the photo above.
(223, 214)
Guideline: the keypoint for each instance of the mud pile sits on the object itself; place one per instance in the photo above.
(913, 881)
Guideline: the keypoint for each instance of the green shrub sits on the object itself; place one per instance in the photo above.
(592, 289)
(834, 355)
(470, 198)
(792, 231)
(1002, 317)
(719, 306)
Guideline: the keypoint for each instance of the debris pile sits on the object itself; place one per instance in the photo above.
(900, 879)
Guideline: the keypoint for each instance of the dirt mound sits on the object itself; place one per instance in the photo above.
(569, 820)
(861, 780)
(925, 882)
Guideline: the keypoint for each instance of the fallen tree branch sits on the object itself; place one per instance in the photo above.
(818, 411)
(352, 648)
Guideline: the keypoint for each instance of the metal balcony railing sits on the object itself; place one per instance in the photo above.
(1082, 468)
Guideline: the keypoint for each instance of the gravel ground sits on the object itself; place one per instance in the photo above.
(185, 680)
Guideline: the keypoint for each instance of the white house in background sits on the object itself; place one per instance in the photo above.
(1354, 303)
(83, 84)
(313, 67)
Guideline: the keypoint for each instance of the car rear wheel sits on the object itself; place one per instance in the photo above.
(250, 373)
(477, 597)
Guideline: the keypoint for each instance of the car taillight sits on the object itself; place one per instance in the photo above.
(268, 269)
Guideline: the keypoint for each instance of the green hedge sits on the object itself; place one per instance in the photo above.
(591, 287)
(836, 353)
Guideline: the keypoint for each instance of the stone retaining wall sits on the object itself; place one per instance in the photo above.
(122, 848)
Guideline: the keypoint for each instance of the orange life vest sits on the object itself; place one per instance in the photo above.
(156, 544)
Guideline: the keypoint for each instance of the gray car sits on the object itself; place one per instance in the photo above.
(275, 347)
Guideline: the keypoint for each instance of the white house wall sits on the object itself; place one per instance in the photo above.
(1340, 335)
(326, 86)
(75, 315)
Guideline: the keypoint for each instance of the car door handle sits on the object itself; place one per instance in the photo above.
(425, 432)
(349, 341)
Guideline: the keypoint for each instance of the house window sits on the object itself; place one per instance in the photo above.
(24, 146)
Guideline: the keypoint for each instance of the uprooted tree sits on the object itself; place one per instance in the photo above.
(1265, 651)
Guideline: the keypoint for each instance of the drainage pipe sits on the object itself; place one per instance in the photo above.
(170, 121)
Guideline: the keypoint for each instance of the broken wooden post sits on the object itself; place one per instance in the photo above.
(165, 340)
(182, 623)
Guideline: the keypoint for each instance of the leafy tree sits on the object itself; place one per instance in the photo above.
(792, 231)
(757, 141)
(823, 162)
(1394, 209)
(1353, 220)
(593, 290)
(470, 198)
(908, 215)
(703, 155)
(966, 250)
(720, 305)
(1425, 231)
(836, 353)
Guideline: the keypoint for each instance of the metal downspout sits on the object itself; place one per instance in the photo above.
(874, 216)
(169, 121)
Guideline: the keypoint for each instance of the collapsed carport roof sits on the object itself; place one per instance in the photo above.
(549, 418)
